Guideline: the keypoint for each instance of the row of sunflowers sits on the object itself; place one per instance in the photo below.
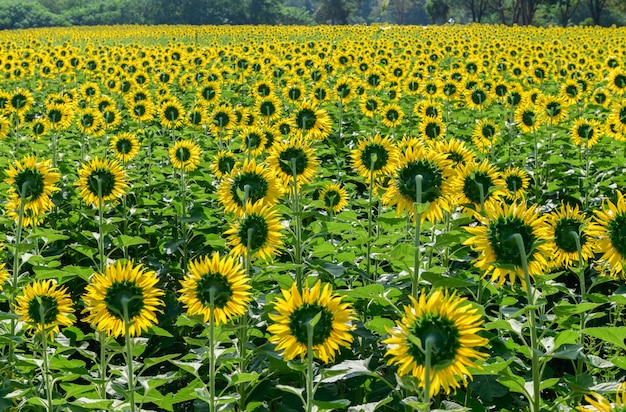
(320, 218)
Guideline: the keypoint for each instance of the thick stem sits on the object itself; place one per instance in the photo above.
(129, 355)
(370, 224)
(427, 370)
(583, 292)
(212, 403)
(46, 360)
(297, 227)
(417, 254)
(530, 293)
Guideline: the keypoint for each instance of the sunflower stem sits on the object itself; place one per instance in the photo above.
(129, 355)
(583, 292)
(183, 206)
(298, 226)
(16, 267)
(417, 254)
(46, 361)
(310, 390)
(212, 407)
(101, 263)
(530, 293)
(370, 209)
(428, 350)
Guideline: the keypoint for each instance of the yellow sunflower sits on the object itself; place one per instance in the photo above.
(452, 324)
(171, 113)
(31, 183)
(392, 115)
(101, 179)
(370, 106)
(124, 292)
(5, 127)
(222, 277)
(223, 163)
(185, 154)
(334, 196)
(4, 275)
(59, 115)
(455, 150)
(616, 81)
(268, 108)
(485, 135)
(289, 330)
(125, 146)
(289, 153)
(222, 118)
(499, 255)
(44, 303)
(476, 183)
(618, 115)
(257, 233)
(527, 118)
(601, 404)
(552, 109)
(435, 171)
(517, 182)
(585, 132)
(432, 128)
(249, 182)
(90, 122)
(253, 139)
(611, 236)
(311, 121)
(564, 224)
(375, 156)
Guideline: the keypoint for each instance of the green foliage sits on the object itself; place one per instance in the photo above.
(23, 14)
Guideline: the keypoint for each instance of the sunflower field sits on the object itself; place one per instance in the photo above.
(259, 218)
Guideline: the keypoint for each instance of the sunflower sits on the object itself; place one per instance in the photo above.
(585, 132)
(311, 122)
(111, 117)
(475, 184)
(499, 255)
(375, 156)
(616, 81)
(552, 109)
(257, 180)
(564, 224)
(89, 90)
(601, 97)
(611, 236)
(208, 92)
(289, 153)
(125, 146)
(485, 135)
(455, 150)
(432, 128)
(5, 127)
(21, 100)
(185, 154)
(123, 289)
(527, 118)
(44, 303)
(618, 115)
(253, 140)
(435, 171)
(344, 89)
(477, 98)
(171, 113)
(59, 115)
(370, 106)
(32, 182)
(90, 122)
(221, 118)
(601, 404)
(257, 233)
(392, 115)
(225, 279)
(223, 163)
(571, 92)
(268, 108)
(451, 324)
(334, 197)
(289, 330)
(110, 175)
(428, 108)
(4, 275)
(142, 111)
(517, 182)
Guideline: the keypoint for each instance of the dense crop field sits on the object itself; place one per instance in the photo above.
(313, 218)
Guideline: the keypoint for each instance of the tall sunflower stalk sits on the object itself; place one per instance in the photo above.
(534, 397)
(417, 253)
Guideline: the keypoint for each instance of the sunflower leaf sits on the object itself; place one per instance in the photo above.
(614, 335)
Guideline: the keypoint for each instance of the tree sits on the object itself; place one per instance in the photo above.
(477, 8)
(334, 11)
(524, 11)
(437, 10)
(565, 9)
(595, 8)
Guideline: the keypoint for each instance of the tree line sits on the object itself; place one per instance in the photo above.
(16, 14)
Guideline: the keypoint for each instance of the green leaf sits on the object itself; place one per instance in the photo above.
(190, 367)
(87, 403)
(567, 351)
(331, 405)
(346, 370)
(548, 383)
(126, 241)
(614, 335)
(514, 383)
(370, 407)
(379, 325)
(296, 391)
(241, 377)
(567, 309)
(487, 387)
(157, 331)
